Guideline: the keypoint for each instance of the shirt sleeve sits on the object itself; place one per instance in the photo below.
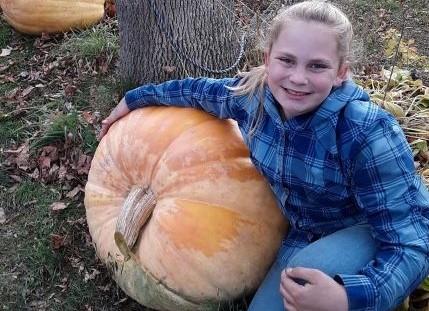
(210, 95)
(395, 201)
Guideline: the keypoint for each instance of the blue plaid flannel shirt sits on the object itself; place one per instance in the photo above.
(346, 163)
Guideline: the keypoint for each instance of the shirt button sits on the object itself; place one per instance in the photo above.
(396, 129)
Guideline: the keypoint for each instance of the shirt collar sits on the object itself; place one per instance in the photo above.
(324, 120)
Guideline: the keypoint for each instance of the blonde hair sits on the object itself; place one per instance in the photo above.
(253, 81)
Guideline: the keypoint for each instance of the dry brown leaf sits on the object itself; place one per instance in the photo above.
(62, 172)
(20, 156)
(84, 164)
(16, 178)
(71, 194)
(44, 163)
(425, 172)
(110, 8)
(88, 116)
(27, 91)
(35, 174)
(57, 241)
(70, 90)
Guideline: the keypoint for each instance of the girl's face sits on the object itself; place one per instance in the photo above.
(302, 66)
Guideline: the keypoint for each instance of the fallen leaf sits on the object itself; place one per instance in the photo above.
(62, 172)
(16, 178)
(84, 164)
(51, 152)
(57, 206)
(20, 156)
(57, 241)
(91, 276)
(394, 109)
(110, 8)
(27, 91)
(44, 163)
(70, 90)
(23, 74)
(5, 52)
(74, 192)
(88, 116)
(35, 174)
(2, 216)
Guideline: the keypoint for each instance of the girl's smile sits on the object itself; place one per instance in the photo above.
(296, 94)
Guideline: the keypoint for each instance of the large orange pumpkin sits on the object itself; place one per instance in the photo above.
(214, 227)
(37, 16)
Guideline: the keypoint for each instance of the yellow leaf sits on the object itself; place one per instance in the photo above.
(394, 109)
(420, 145)
(425, 100)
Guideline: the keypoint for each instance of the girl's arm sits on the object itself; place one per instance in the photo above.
(210, 95)
(118, 112)
(396, 204)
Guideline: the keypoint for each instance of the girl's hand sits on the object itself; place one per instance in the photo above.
(118, 112)
(320, 293)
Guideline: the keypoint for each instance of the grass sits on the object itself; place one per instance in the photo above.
(32, 269)
(5, 35)
(45, 255)
(26, 249)
(67, 128)
(9, 131)
(93, 42)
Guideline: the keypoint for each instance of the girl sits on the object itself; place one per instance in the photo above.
(340, 167)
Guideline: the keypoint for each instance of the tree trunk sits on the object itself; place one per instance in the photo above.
(162, 40)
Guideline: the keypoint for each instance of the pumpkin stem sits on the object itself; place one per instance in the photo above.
(135, 212)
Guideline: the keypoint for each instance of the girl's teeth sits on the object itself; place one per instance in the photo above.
(296, 93)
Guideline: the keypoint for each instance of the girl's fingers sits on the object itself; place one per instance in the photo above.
(308, 274)
(105, 125)
(118, 112)
(286, 296)
(289, 284)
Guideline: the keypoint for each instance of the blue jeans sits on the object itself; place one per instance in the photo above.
(345, 251)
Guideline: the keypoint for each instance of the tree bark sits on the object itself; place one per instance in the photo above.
(171, 39)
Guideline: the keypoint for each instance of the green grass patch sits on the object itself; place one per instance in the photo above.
(91, 43)
(33, 273)
(5, 88)
(11, 131)
(5, 35)
(70, 128)
(27, 262)
(100, 95)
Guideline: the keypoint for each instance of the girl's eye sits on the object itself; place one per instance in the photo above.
(286, 60)
(318, 66)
